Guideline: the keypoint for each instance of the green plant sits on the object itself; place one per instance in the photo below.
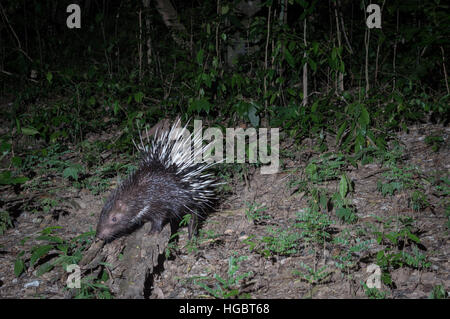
(313, 276)
(93, 287)
(373, 293)
(251, 242)
(282, 242)
(5, 222)
(327, 167)
(193, 243)
(419, 201)
(255, 214)
(387, 259)
(313, 225)
(228, 287)
(391, 157)
(344, 210)
(396, 179)
(434, 141)
(59, 251)
(400, 236)
(350, 254)
(47, 204)
(438, 292)
(171, 245)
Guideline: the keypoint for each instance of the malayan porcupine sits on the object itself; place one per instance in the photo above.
(167, 185)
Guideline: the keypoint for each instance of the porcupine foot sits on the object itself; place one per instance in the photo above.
(157, 226)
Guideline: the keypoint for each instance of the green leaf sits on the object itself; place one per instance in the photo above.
(386, 278)
(52, 239)
(16, 161)
(39, 252)
(199, 105)
(6, 179)
(341, 131)
(334, 54)
(72, 171)
(343, 186)
(200, 57)
(44, 268)
(19, 180)
(138, 97)
(364, 117)
(413, 237)
(19, 267)
(5, 147)
(312, 64)
(225, 9)
(311, 170)
(64, 248)
(29, 131)
(315, 106)
(315, 47)
(289, 58)
(49, 230)
(49, 77)
(359, 143)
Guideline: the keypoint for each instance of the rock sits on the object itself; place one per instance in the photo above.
(34, 283)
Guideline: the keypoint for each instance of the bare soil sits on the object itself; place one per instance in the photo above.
(229, 232)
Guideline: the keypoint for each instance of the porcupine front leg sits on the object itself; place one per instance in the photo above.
(157, 226)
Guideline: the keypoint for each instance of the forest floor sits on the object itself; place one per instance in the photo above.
(265, 240)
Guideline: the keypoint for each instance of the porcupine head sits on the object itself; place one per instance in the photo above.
(152, 193)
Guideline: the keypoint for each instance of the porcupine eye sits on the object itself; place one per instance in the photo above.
(114, 219)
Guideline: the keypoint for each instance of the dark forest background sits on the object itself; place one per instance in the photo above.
(307, 66)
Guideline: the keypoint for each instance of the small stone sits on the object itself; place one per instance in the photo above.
(428, 278)
(81, 204)
(37, 220)
(34, 283)
(285, 260)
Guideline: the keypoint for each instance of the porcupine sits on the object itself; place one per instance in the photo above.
(167, 185)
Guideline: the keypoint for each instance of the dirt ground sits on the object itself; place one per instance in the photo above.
(229, 232)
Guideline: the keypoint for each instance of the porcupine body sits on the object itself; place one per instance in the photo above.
(167, 185)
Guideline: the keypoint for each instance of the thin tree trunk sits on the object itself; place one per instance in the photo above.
(376, 64)
(148, 42)
(445, 70)
(305, 68)
(140, 45)
(170, 18)
(340, 75)
(367, 44)
(266, 56)
(395, 54)
(217, 32)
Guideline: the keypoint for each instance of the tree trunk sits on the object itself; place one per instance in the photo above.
(132, 261)
(170, 18)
